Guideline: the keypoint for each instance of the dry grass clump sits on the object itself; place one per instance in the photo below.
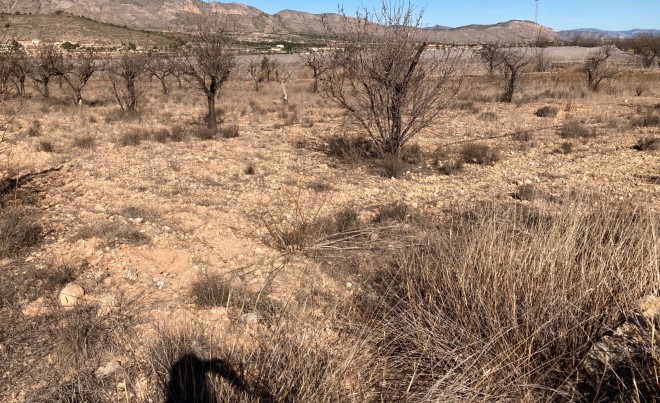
(229, 131)
(648, 116)
(86, 142)
(34, 130)
(113, 233)
(133, 137)
(19, 229)
(350, 150)
(574, 129)
(204, 133)
(547, 112)
(288, 364)
(503, 303)
(478, 153)
(46, 146)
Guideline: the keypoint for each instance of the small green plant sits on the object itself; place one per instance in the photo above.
(547, 112)
(479, 153)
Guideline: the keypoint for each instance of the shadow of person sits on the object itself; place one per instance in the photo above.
(188, 379)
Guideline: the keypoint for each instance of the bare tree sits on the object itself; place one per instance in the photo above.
(319, 63)
(79, 69)
(382, 79)
(491, 55)
(124, 73)
(647, 48)
(209, 60)
(282, 79)
(268, 66)
(161, 66)
(512, 67)
(19, 67)
(599, 66)
(254, 69)
(47, 62)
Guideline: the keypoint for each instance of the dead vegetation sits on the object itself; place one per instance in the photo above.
(505, 255)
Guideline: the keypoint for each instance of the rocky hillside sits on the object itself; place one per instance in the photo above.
(173, 14)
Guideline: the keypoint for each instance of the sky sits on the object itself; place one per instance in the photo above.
(616, 15)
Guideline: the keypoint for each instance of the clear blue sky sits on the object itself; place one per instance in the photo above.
(556, 14)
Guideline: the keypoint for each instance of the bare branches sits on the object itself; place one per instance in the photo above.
(599, 66)
(124, 73)
(386, 80)
(209, 60)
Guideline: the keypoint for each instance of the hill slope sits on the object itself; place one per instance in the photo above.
(173, 14)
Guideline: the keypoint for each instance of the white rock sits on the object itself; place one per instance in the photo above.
(109, 369)
(71, 295)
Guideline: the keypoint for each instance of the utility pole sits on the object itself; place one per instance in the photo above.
(536, 17)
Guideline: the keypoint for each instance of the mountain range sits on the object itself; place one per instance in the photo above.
(593, 33)
(171, 15)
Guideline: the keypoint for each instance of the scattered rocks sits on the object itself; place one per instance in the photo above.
(71, 295)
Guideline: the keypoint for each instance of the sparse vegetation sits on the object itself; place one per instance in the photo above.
(478, 153)
(547, 112)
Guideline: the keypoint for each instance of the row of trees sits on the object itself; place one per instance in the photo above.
(384, 76)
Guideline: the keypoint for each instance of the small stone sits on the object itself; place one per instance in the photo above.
(109, 369)
(251, 317)
(71, 295)
(160, 284)
(349, 284)
(259, 251)
(99, 208)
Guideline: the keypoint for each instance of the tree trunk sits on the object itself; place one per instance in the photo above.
(212, 124)
(21, 86)
(46, 91)
(285, 97)
(315, 85)
(164, 84)
(132, 94)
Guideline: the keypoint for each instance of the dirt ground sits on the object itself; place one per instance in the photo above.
(206, 206)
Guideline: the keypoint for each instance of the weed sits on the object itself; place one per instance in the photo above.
(478, 153)
(113, 233)
(573, 129)
(565, 148)
(19, 229)
(547, 112)
(391, 166)
(161, 135)
(229, 132)
(204, 133)
(35, 129)
(133, 137)
(45, 146)
(250, 169)
(178, 134)
(525, 192)
(86, 142)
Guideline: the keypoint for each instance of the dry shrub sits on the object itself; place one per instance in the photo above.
(477, 153)
(204, 133)
(45, 146)
(229, 131)
(86, 142)
(547, 112)
(133, 137)
(112, 233)
(351, 150)
(525, 192)
(648, 144)
(503, 302)
(648, 116)
(391, 166)
(19, 229)
(573, 129)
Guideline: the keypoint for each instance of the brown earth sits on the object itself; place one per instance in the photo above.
(202, 213)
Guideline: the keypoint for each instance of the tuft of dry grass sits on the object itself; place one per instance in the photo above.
(478, 153)
(503, 302)
(648, 144)
(19, 229)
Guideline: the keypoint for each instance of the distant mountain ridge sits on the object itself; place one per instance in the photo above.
(594, 33)
(168, 15)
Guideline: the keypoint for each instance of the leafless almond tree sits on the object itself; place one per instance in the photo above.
(79, 69)
(47, 62)
(599, 66)
(319, 63)
(124, 73)
(161, 66)
(514, 64)
(268, 66)
(208, 59)
(384, 79)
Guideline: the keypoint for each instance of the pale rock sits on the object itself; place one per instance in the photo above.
(71, 295)
(108, 369)
(252, 317)
(35, 308)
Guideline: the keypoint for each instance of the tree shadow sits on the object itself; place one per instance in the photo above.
(189, 381)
